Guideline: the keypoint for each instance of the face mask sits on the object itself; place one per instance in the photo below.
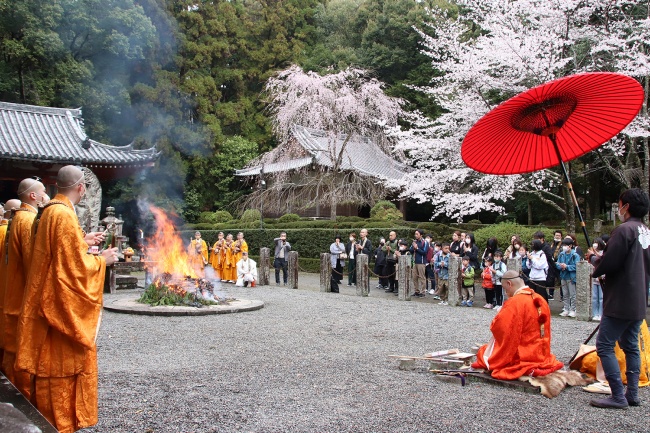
(467, 241)
(517, 247)
(595, 246)
(44, 200)
(621, 217)
(351, 239)
(436, 249)
(496, 260)
(566, 248)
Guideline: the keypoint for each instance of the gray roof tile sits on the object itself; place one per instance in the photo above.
(47, 134)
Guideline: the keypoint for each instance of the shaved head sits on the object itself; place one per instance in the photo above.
(69, 177)
(28, 186)
(10, 206)
(511, 282)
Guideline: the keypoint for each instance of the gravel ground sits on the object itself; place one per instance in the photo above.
(311, 361)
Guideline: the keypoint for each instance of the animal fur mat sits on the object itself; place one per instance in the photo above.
(552, 384)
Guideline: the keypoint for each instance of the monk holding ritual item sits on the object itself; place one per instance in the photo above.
(60, 316)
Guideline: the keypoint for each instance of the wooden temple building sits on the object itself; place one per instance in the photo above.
(38, 141)
(309, 152)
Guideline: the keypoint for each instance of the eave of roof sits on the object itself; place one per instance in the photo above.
(56, 135)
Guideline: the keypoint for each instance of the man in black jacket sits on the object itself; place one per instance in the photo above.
(626, 265)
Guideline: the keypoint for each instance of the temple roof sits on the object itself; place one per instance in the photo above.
(56, 135)
(360, 155)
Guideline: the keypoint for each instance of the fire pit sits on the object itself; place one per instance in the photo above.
(175, 282)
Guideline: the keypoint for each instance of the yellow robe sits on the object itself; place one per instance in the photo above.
(216, 258)
(19, 257)
(230, 264)
(60, 317)
(198, 261)
(3, 273)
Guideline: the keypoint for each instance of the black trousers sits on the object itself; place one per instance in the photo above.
(280, 263)
(389, 272)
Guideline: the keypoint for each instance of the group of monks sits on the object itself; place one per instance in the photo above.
(226, 252)
(51, 299)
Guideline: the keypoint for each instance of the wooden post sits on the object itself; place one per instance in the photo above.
(583, 290)
(325, 272)
(362, 275)
(455, 264)
(263, 277)
(404, 278)
(293, 270)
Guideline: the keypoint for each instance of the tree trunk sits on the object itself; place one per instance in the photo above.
(333, 208)
(570, 211)
(530, 213)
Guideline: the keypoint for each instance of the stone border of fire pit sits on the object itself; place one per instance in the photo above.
(131, 306)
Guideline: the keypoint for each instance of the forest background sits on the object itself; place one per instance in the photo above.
(188, 76)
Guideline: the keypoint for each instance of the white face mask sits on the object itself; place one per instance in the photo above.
(44, 200)
(436, 249)
(621, 217)
(566, 248)
(468, 240)
(595, 246)
(351, 239)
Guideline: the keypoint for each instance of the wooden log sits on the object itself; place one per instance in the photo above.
(583, 290)
(264, 267)
(293, 270)
(455, 276)
(404, 278)
(363, 281)
(325, 272)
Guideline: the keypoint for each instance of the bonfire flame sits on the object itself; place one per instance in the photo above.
(167, 251)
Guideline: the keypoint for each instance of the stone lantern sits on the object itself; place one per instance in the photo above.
(114, 227)
(598, 226)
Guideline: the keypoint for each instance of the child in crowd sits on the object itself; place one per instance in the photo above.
(566, 263)
(499, 269)
(437, 250)
(525, 262)
(442, 265)
(488, 283)
(467, 289)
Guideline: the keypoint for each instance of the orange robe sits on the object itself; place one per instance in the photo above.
(60, 318)
(520, 345)
(3, 273)
(198, 261)
(19, 257)
(230, 264)
(216, 258)
(242, 248)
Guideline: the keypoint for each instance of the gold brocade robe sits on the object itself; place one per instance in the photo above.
(60, 319)
(229, 264)
(19, 257)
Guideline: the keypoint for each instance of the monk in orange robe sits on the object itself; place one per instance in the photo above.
(7, 214)
(216, 257)
(239, 248)
(521, 335)
(19, 253)
(60, 317)
(198, 254)
(230, 264)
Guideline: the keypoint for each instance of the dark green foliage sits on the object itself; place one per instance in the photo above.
(289, 217)
(251, 216)
(504, 231)
(154, 296)
(385, 210)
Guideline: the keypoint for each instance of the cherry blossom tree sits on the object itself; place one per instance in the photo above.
(494, 50)
(348, 104)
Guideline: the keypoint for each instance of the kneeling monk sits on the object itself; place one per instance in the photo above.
(521, 335)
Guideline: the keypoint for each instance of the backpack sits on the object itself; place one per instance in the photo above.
(430, 253)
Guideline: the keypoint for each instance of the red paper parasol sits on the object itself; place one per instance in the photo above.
(552, 124)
